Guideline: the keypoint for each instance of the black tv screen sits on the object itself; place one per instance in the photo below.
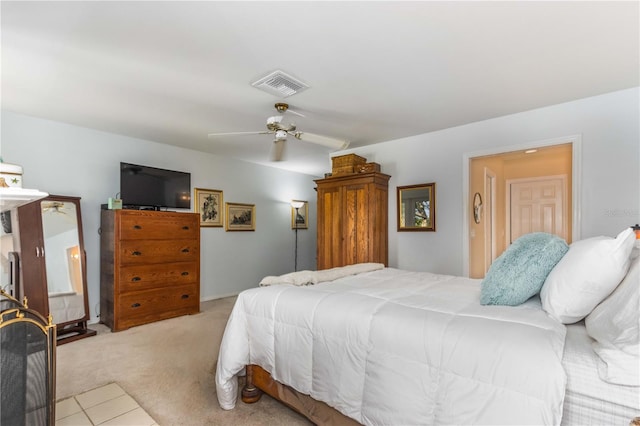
(144, 186)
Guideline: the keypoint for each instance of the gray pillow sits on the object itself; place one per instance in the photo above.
(519, 273)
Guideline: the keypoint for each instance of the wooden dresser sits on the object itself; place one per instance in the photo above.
(149, 266)
(352, 219)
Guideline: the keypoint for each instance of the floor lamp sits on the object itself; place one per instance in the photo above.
(296, 205)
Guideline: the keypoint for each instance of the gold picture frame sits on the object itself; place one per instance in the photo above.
(240, 217)
(208, 204)
(302, 219)
(417, 207)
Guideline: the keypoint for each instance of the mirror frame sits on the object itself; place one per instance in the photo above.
(477, 207)
(76, 328)
(404, 191)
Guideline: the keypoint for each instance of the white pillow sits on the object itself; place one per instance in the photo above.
(589, 272)
(615, 326)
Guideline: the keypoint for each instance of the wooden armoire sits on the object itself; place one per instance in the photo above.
(352, 219)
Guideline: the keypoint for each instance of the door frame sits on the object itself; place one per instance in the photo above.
(490, 225)
(576, 184)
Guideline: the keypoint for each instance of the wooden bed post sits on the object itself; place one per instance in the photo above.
(250, 393)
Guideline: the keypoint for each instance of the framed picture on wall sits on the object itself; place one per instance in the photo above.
(208, 204)
(300, 215)
(240, 217)
(417, 207)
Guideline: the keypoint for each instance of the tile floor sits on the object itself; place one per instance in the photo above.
(106, 405)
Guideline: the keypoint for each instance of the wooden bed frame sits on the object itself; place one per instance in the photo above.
(258, 380)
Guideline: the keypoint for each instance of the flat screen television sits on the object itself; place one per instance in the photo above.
(151, 187)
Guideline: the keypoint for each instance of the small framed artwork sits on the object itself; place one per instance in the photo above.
(300, 215)
(208, 205)
(240, 217)
(417, 207)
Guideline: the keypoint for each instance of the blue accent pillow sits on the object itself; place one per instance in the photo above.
(519, 273)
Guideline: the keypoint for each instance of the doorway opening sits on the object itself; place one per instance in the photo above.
(548, 171)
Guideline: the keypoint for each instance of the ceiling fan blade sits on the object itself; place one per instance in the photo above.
(213, 135)
(299, 114)
(283, 107)
(336, 144)
(277, 150)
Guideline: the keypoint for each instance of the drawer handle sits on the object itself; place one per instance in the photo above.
(136, 253)
(136, 279)
(185, 296)
(137, 227)
(135, 305)
(184, 274)
(185, 250)
(186, 228)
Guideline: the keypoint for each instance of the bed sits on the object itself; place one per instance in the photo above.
(588, 399)
(374, 345)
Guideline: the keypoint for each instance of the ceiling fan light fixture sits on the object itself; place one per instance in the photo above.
(280, 135)
(280, 84)
(275, 119)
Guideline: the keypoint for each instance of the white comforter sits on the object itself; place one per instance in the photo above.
(400, 348)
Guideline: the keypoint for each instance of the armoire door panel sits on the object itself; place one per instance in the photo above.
(359, 243)
(335, 247)
(32, 255)
(351, 226)
(379, 226)
(328, 249)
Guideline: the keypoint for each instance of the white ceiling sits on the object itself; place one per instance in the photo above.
(172, 72)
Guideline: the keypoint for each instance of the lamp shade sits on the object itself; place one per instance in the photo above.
(297, 204)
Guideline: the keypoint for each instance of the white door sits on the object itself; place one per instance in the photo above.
(537, 205)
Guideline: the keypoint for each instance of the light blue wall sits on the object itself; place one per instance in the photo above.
(609, 126)
(68, 160)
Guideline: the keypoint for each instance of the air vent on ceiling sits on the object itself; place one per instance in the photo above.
(280, 84)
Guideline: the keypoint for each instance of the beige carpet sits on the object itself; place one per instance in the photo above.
(168, 367)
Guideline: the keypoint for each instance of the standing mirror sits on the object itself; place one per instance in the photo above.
(53, 264)
(65, 265)
(417, 207)
(63, 260)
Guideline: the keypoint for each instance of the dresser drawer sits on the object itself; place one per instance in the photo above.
(135, 225)
(158, 251)
(146, 306)
(142, 277)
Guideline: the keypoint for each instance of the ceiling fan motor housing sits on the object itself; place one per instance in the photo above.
(281, 107)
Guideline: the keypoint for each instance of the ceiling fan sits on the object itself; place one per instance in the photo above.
(281, 131)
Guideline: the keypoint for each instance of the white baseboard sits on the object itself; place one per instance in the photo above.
(219, 296)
